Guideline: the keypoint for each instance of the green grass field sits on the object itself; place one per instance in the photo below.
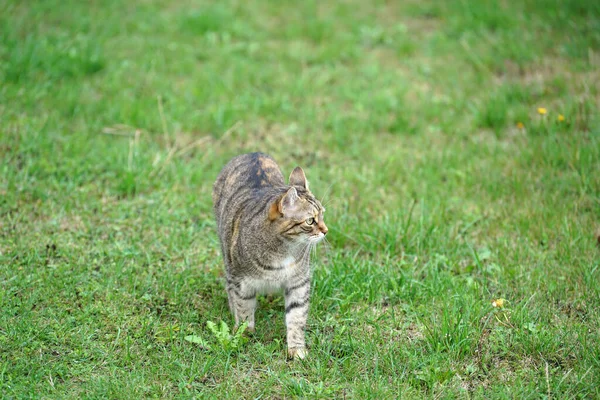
(456, 145)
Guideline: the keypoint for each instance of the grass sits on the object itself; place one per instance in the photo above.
(417, 121)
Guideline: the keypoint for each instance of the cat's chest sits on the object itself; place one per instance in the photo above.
(277, 279)
(287, 263)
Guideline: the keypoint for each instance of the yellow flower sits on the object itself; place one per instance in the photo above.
(499, 303)
(520, 125)
(542, 111)
(560, 118)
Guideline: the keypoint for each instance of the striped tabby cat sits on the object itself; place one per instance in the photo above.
(267, 230)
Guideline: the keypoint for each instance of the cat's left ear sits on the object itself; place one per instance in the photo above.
(285, 204)
(297, 178)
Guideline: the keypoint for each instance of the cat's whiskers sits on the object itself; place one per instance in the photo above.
(332, 199)
(313, 250)
(305, 255)
(326, 193)
(327, 243)
(298, 245)
(301, 254)
(306, 259)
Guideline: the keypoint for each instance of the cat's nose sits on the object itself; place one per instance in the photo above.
(323, 228)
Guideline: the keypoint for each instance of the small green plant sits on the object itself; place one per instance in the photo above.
(229, 342)
(197, 340)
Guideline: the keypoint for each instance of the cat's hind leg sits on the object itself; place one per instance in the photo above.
(242, 303)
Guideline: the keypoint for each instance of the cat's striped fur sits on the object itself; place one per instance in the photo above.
(267, 230)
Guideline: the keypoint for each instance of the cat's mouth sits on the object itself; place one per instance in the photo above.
(316, 237)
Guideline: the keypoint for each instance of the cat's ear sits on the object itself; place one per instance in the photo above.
(297, 178)
(285, 203)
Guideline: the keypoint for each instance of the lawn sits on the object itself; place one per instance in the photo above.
(455, 144)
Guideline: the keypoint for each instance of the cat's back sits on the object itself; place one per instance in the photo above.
(244, 175)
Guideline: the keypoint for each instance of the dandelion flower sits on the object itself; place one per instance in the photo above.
(520, 125)
(542, 111)
(498, 303)
(560, 118)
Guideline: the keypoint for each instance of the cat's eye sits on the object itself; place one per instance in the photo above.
(310, 221)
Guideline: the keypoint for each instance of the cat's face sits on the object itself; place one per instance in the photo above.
(298, 214)
(302, 217)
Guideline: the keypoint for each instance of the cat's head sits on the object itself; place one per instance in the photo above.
(297, 214)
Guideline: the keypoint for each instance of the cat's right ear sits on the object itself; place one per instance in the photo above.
(284, 204)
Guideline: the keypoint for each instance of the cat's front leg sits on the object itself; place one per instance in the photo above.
(297, 296)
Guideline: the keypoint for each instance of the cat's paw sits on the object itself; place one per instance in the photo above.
(297, 353)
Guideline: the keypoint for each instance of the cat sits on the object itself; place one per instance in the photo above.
(267, 230)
